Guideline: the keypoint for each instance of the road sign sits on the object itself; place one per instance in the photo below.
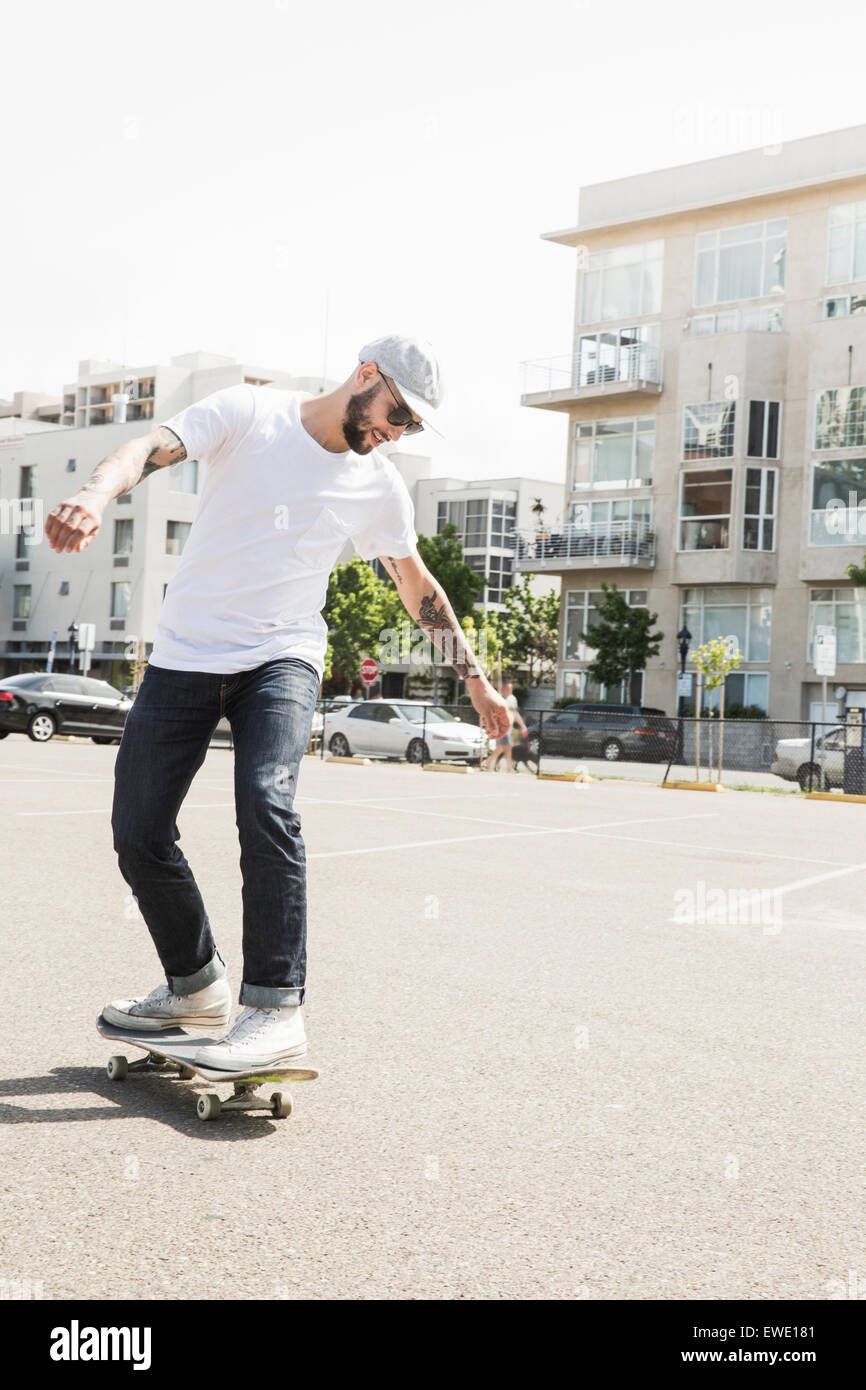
(86, 637)
(369, 671)
(825, 652)
(684, 685)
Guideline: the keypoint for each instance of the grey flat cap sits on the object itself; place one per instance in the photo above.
(412, 366)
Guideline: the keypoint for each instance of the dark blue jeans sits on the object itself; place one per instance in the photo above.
(164, 744)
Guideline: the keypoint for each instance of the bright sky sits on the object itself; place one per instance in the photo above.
(219, 174)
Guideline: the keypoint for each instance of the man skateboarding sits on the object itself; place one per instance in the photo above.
(290, 477)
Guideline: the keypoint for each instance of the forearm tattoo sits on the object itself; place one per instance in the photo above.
(437, 617)
(396, 568)
(122, 470)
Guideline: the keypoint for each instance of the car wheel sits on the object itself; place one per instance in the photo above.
(811, 771)
(42, 727)
(612, 750)
(339, 746)
(4, 733)
(418, 752)
(101, 738)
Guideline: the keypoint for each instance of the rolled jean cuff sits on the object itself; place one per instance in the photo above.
(190, 984)
(270, 997)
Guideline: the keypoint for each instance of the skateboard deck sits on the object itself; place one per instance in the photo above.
(173, 1050)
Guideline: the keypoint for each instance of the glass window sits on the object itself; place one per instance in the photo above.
(840, 418)
(121, 592)
(745, 262)
(838, 515)
(21, 601)
(708, 430)
(759, 510)
(705, 509)
(621, 282)
(728, 611)
(123, 536)
(846, 243)
(581, 615)
(844, 609)
(176, 533)
(763, 441)
(614, 453)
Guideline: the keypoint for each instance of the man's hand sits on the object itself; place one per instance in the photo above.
(73, 523)
(495, 714)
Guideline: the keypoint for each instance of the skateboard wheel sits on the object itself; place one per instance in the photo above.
(281, 1105)
(117, 1068)
(186, 1073)
(208, 1107)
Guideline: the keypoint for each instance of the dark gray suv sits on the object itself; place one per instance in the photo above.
(613, 732)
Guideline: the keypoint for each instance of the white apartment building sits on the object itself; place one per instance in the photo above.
(716, 395)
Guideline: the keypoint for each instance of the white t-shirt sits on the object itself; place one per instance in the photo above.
(274, 514)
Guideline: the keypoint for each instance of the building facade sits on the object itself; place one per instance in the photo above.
(716, 394)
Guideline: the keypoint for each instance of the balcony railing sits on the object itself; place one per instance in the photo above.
(623, 542)
(584, 374)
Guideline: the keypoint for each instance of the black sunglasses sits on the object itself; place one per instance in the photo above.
(402, 415)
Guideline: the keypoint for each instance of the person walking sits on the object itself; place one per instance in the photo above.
(516, 732)
(290, 478)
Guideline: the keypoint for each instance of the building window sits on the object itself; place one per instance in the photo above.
(176, 533)
(21, 600)
(741, 688)
(842, 305)
(611, 516)
(476, 522)
(705, 509)
(759, 510)
(502, 523)
(184, 476)
(846, 243)
(499, 577)
(622, 354)
(613, 453)
(708, 430)
(838, 515)
(64, 586)
(123, 536)
(581, 615)
(621, 283)
(767, 318)
(723, 611)
(27, 481)
(844, 609)
(70, 465)
(121, 591)
(763, 441)
(744, 262)
(840, 418)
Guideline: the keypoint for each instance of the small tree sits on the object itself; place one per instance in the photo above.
(528, 628)
(621, 638)
(857, 574)
(714, 660)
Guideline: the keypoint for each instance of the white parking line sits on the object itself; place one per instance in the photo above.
(722, 849)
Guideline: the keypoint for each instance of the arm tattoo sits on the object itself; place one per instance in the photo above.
(129, 465)
(396, 568)
(439, 620)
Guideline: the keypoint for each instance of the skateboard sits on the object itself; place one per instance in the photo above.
(173, 1050)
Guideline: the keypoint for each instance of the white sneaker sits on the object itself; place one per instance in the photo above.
(208, 1008)
(259, 1038)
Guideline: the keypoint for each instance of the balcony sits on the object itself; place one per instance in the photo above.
(558, 383)
(609, 545)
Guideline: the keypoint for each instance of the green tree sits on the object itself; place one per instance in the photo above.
(714, 661)
(621, 638)
(857, 574)
(528, 629)
(443, 556)
(358, 607)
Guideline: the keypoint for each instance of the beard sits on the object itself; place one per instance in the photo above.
(356, 423)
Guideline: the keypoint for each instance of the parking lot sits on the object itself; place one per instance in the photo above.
(575, 1041)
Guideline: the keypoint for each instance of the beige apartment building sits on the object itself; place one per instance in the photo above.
(716, 395)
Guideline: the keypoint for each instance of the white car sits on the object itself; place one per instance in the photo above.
(407, 729)
(793, 760)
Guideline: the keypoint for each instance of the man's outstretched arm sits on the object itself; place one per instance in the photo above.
(74, 522)
(427, 603)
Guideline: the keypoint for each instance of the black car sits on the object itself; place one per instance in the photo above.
(612, 732)
(44, 703)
